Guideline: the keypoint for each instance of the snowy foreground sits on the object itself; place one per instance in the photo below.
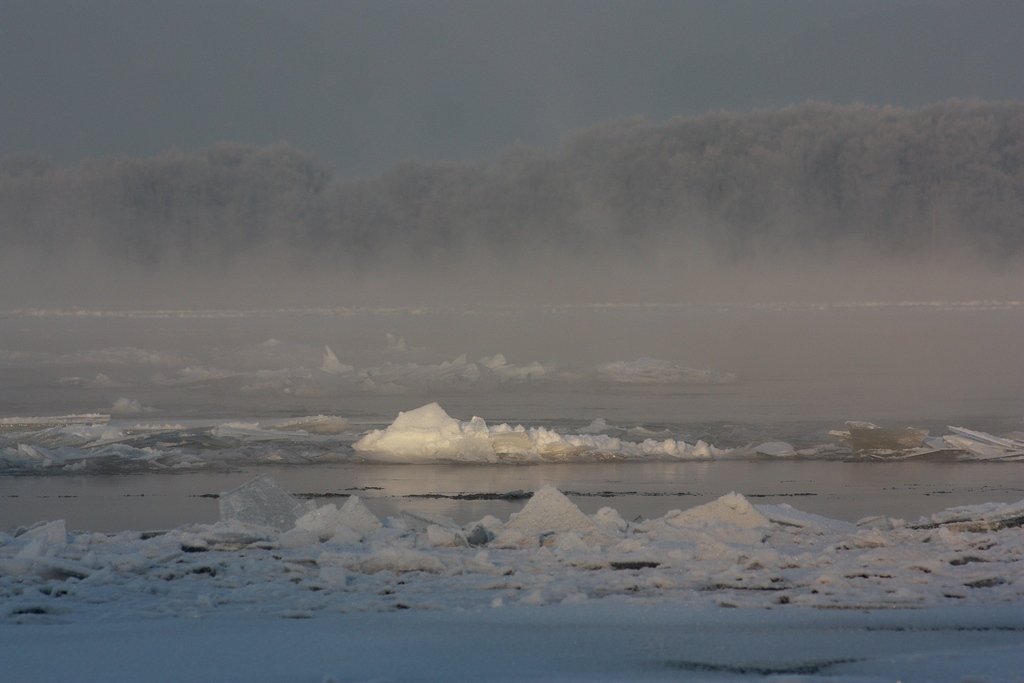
(281, 590)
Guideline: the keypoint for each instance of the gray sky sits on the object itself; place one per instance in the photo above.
(365, 84)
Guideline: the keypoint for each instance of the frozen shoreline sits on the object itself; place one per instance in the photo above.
(565, 643)
(549, 594)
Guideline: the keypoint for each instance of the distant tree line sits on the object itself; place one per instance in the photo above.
(809, 176)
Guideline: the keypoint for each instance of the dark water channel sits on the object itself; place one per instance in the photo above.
(844, 490)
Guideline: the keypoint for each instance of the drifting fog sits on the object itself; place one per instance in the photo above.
(812, 201)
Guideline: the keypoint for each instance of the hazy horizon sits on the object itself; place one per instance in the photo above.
(252, 154)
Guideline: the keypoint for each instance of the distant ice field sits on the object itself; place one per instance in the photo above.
(662, 405)
(768, 364)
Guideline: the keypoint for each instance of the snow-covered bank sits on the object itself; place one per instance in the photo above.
(591, 642)
(417, 597)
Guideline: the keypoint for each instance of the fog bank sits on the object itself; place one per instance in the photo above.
(808, 201)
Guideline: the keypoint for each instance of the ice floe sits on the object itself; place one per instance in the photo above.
(984, 446)
(429, 434)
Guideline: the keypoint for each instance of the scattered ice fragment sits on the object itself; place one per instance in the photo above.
(127, 406)
(868, 437)
(419, 521)
(37, 552)
(777, 449)
(876, 522)
(102, 381)
(355, 515)
(983, 517)
(984, 446)
(193, 374)
(787, 515)
(298, 537)
(657, 371)
(313, 424)
(396, 343)
(27, 424)
(596, 426)
(332, 366)
(549, 511)
(261, 502)
(330, 523)
(445, 537)
(397, 560)
(49, 533)
(479, 535)
(731, 510)
(610, 520)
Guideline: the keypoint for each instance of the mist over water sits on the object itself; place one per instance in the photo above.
(812, 202)
(836, 261)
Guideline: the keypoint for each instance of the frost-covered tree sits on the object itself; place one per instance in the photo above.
(804, 177)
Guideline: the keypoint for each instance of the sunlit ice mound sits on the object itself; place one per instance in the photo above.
(429, 434)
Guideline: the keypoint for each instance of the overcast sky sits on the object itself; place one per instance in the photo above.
(365, 84)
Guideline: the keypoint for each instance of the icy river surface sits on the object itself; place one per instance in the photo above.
(649, 406)
(605, 492)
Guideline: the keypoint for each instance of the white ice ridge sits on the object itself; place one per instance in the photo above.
(429, 434)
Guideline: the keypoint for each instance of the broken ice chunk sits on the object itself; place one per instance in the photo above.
(731, 509)
(867, 437)
(984, 446)
(729, 519)
(348, 524)
(776, 449)
(50, 533)
(355, 515)
(788, 516)
(550, 511)
(419, 521)
(440, 536)
(977, 518)
(332, 365)
(261, 502)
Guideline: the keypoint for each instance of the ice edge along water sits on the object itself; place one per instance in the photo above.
(726, 552)
(84, 443)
